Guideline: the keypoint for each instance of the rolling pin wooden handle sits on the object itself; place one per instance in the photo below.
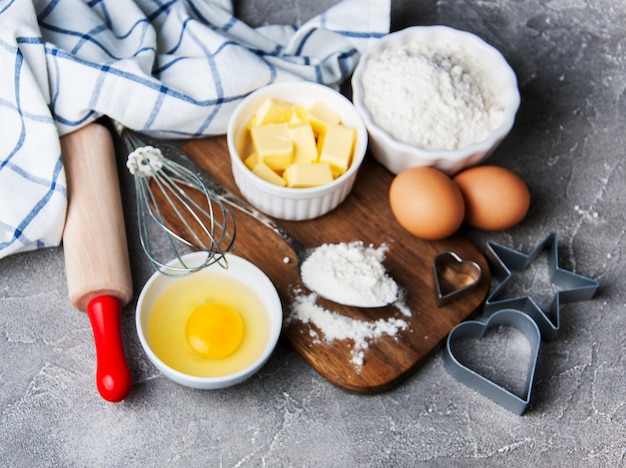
(112, 375)
(96, 253)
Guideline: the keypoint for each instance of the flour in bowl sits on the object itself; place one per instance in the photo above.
(434, 99)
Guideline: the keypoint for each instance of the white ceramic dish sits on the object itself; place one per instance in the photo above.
(238, 268)
(396, 155)
(294, 204)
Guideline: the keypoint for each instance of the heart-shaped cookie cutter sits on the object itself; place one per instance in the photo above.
(454, 277)
(475, 329)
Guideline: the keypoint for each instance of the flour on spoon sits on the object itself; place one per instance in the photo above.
(350, 273)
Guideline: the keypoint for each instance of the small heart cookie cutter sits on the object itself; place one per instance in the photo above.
(474, 329)
(454, 277)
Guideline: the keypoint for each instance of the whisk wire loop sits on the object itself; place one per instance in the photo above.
(198, 219)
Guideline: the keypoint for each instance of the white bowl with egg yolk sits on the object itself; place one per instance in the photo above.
(294, 204)
(207, 351)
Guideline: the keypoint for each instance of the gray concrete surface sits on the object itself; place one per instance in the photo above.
(568, 144)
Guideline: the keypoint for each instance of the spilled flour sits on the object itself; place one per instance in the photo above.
(334, 326)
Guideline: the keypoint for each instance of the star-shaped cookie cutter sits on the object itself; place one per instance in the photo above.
(507, 262)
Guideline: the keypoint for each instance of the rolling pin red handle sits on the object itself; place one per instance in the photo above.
(113, 376)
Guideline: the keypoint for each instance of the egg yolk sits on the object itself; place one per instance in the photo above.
(214, 330)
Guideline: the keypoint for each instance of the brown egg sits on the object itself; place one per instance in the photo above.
(426, 203)
(495, 198)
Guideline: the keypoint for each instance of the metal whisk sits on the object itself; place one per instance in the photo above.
(190, 213)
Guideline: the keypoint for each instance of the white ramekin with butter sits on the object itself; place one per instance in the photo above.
(296, 148)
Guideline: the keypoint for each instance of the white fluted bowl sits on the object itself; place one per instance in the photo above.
(294, 204)
(398, 155)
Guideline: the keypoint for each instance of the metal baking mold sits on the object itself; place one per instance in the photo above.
(507, 262)
(454, 277)
(475, 329)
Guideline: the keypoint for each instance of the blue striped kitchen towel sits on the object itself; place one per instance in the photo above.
(171, 68)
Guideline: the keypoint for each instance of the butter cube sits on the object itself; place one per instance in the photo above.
(295, 119)
(266, 173)
(319, 115)
(300, 112)
(335, 147)
(304, 145)
(273, 145)
(322, 112)
(272, 111)
(307, 175)
(251, 161)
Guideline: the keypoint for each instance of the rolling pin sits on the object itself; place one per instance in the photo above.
(96, 254)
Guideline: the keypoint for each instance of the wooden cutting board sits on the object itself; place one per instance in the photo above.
(364, 216)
